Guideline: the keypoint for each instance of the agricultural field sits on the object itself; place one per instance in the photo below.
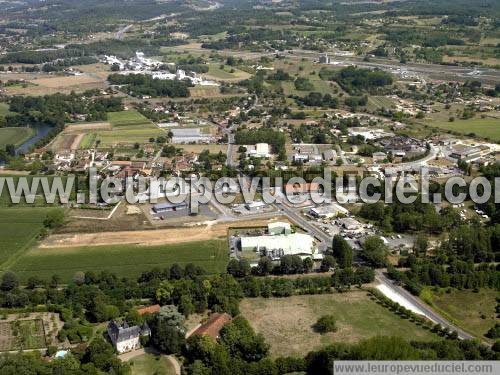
(49, 84)
(128, 127)
(376, 102)
(19, 227)
(150, 364)
(212, 148)
(38, 199)
(287, 323)
(477, 318)
(215, 72)
(122, 129)
(126, 260)
(22, 335)
(15, 136)
(484, 128)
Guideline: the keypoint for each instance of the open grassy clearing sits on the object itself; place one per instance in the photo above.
(15, 136)
(150, 364)
(19, 228)
(286, 323)
(485, 128)
(474, 312)
(215, 72)
(126, 260)
(4, 109)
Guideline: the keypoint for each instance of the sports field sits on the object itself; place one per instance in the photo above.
(287, 323)
(19, 228)
(14, 136)
(126, 260)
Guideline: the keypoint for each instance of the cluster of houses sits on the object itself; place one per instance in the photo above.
(126, 338)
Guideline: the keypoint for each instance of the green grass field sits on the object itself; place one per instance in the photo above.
(287, 323)
(216, 72)
(129, 127)
(485, 128)
(14, 136)
(18, 229)
(39, 199)
(150, 364)
(124, 260)
(478, 316)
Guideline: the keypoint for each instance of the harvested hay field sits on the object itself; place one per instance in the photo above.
(287, 323)
(84, 126)
(57, 82)
(65, 142)
(202, 232)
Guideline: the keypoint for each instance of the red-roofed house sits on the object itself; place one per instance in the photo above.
(213, 325)
(149, 310)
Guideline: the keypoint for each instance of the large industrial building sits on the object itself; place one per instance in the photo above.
(281, 241)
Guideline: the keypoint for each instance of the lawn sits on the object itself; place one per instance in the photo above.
(150, 364)
(126, 260)
(486, 128)
(19, 227)
(286, 323)
(14, 136)
(474, 312)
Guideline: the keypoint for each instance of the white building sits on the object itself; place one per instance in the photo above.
(280, 242)
(276, 246)
(329, 211)
(260, 150)
(125, 338)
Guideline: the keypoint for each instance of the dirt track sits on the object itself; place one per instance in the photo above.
(148, 237)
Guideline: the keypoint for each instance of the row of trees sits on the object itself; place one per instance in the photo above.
(146, 85)
(457, 274)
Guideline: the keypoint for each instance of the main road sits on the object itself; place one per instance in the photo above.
(431, 314)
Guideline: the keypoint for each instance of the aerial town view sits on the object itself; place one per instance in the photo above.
(246, 187)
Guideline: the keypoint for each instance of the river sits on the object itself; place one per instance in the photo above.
(41, 131)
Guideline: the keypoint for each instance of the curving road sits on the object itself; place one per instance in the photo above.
(431, 314)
